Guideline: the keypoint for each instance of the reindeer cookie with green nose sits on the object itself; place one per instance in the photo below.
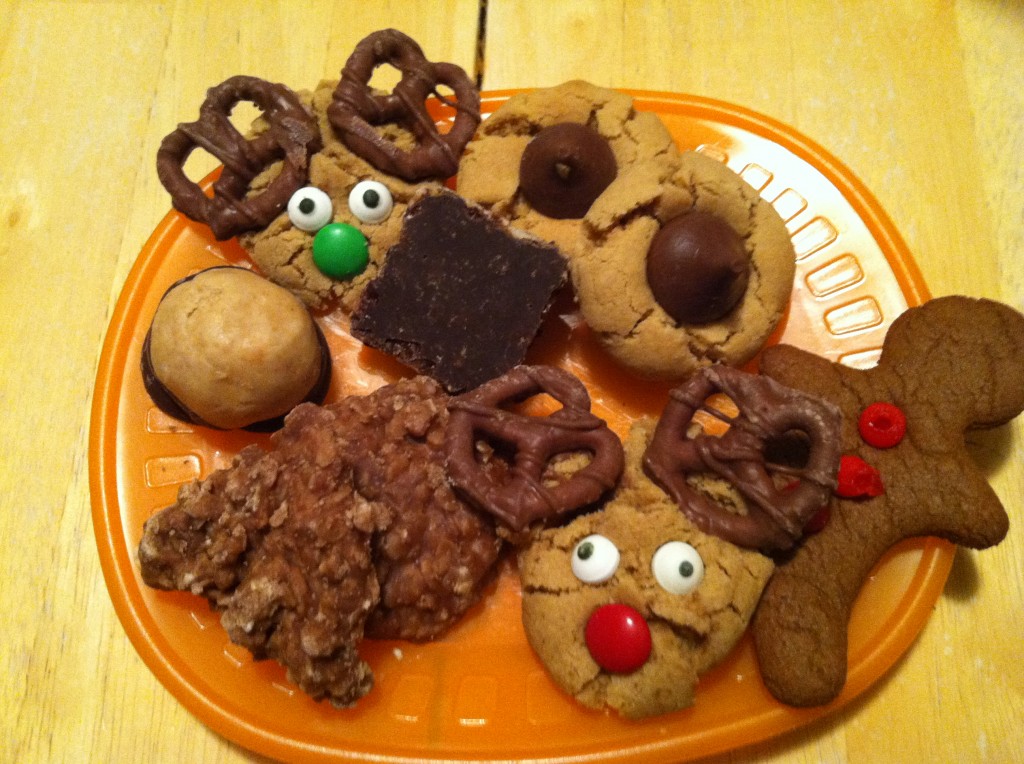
(316, 191)
(333, 237)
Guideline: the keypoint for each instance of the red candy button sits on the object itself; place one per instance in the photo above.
(618, 638)
(858, 478)
(882, 425)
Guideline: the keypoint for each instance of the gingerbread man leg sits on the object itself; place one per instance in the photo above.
(950, 365)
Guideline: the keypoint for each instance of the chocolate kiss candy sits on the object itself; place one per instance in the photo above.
(697, 267)
(565, 168)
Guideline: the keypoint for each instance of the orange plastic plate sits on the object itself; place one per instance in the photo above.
(480, 693)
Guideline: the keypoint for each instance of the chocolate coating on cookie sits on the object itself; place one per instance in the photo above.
(565, 168)
(523, 497)
(698, 267)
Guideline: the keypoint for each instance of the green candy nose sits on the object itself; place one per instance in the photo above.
(340, 251)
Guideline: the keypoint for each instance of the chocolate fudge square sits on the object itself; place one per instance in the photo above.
(461, 296)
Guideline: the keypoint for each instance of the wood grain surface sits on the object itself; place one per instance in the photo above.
(923, 101)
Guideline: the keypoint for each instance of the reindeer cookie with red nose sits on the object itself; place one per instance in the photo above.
(629, 605)
(950, 365)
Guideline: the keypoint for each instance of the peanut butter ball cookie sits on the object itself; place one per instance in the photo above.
(228, 349)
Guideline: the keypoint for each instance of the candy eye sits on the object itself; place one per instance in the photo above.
(595, 559)
(370, 201)
(310, 209)
(677, 566)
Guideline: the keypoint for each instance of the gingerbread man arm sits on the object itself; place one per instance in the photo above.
(950, 365)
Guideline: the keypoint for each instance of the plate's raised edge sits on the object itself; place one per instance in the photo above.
(867, 207)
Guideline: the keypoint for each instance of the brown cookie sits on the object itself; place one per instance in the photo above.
(345, 527)
(952, 364)
(689, 595)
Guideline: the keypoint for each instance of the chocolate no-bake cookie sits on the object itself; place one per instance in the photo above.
(346, 527)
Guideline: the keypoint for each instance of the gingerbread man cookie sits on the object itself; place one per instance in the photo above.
(952, 364)
(627, 606)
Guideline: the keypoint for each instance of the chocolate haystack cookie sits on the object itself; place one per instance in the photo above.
(345, 528)
(460, 297)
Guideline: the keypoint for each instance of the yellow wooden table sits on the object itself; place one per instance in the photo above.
(922, 100)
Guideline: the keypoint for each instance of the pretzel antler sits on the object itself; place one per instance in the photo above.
(356, 110)
(776, 515)
(523, 497)
(292, 137)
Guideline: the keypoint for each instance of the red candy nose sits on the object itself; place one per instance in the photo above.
(618, 638)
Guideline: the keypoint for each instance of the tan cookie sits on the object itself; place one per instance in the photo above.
(284, 252)
(952, 364)
(691, 593)
(616, 297)
(228, 349)
(723, 307)
(643, 149)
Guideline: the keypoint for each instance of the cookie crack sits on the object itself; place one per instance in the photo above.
(635, 328)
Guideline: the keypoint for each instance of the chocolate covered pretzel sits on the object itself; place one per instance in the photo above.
(521, 495)
(777, 512)
(357, 110)
(291, 137)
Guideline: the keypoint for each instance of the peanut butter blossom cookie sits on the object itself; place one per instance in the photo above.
(568, 163)
(677, 263)
(707, 283)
